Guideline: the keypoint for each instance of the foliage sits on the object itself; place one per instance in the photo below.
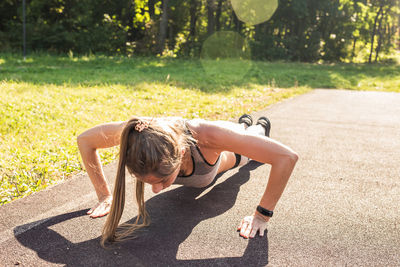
(301, 30)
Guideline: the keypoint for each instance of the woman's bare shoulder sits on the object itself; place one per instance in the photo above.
(196, 123)
(206, 131)
(196, 127)
(208, 125)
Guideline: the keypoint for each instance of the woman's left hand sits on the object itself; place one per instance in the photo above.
(251, 224)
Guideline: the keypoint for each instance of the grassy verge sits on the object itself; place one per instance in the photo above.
(46, 101)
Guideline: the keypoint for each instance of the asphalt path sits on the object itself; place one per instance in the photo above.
(341, 206)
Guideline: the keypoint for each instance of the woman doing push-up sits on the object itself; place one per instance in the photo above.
(166, 151)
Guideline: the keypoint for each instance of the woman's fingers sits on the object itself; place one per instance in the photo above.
(262, 229)
(246, 227)
(262, 224)
(94, 208)
(248, 230)
(100, 212)
(240, 225)
(101, 209)
(250, 225)
(261, 232)
(253, 232)
(243, 230)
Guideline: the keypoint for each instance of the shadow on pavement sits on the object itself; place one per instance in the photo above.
(174, 215)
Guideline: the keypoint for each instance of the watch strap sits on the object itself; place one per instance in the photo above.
(264, 211)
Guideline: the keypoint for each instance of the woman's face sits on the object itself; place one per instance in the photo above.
(159, 184)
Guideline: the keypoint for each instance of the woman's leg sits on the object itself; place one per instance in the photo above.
(256, 129)
(230, 160)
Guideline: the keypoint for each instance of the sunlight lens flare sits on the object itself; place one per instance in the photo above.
(254, 12)
(226, 56)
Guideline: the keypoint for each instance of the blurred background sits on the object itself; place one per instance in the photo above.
(301, 30)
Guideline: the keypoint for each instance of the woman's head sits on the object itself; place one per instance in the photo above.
(152, 151)
(155, 149)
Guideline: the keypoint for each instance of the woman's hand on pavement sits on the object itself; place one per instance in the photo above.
(250, 225)
(101, 209)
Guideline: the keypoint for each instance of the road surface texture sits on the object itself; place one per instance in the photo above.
(341, 206)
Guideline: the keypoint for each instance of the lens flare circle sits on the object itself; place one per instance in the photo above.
(253, 12)
(226, 56)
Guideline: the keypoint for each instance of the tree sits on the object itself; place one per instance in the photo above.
(210, 17)
(163, 27)
(379, 13)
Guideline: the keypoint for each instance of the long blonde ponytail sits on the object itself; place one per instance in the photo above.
(118, 203)
(155, 150)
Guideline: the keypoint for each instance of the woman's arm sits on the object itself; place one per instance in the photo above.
(228, 137)
(101, 136)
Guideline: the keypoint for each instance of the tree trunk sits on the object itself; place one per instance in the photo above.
(163, 27)
(211, 17)
(393, 34)
(237, 22)
(389, 35)
(381, 32)
(353, 51)
(171, 39)
(131, 14)
(257, 32)
(193, 11)
(150, 5)
(398, 34)
(193, 19)
(374, 32)
(218, 15)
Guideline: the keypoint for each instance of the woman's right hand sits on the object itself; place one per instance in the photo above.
(102, 208)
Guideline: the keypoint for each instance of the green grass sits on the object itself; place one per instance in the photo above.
(46, 101)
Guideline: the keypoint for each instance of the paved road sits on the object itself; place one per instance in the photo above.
(341, 206)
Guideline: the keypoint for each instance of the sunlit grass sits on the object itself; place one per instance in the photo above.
(46, 101)
(220, 70)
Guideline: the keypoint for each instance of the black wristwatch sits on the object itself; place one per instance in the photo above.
(264, 211)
